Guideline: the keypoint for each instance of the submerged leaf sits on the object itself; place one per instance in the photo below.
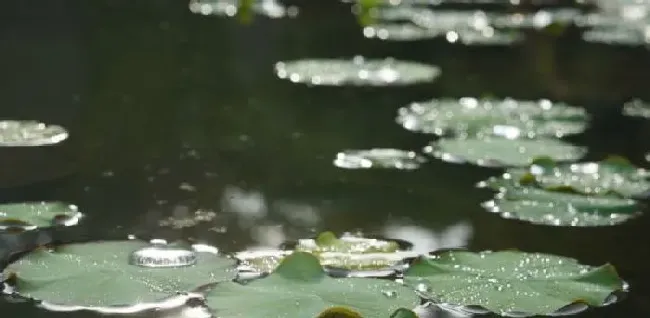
(33, 215)
(509, 282)
(299, 287)
(104, 276)
(499, 152)
(358, 71)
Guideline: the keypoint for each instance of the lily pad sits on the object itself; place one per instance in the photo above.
(502, 152)
(299, 287)
(510, 118)
(399, 32)
(33, 215)
(29, 133)
(270, 8)
(637, 108)
(379, 158)
(487, 36)
(115, 276)
(345, 256)
(618, 35)
(595, 178)
(512, 283)
(358, 72)
(557, 208)
(537, 20)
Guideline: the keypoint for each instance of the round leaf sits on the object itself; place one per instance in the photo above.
(483, 117)
(358, 71)
(33, 215)
(99, 275)
(300, 288)
(510, 283)
(497, 152)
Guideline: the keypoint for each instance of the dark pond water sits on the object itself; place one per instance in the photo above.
(170, 112)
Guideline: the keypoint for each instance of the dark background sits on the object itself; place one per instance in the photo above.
(155, 96)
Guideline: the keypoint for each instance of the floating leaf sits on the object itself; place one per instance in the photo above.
(588, 178)
(399, 32)
(555, 208)
(357, 71)
(637, 108)
(483, 117)
(108, 276)
(27, 133)
(339, 312)
(487, 36)
(498, 152)
(363, 256)
(300, 288)
(270, 8)
(618, 35)
(403, 313)
(32, 215)
(537, 20)
(379, 158)
(512, 283)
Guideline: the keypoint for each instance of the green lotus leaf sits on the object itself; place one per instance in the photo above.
(357, 72)
(348, 252)
(300, 288)
(500, 152)
(403, 313)
(540, 206)
(339, 312)
(511, 282)
(509, 118)
(594, 178)
(33, 215)
(100, 275)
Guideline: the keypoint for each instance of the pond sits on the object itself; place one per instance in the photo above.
(180, 129)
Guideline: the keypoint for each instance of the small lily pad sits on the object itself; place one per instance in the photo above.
(512, 283)
(487, 36)
(111, 276)
(33, 215)
(510, 118)
(637, 108)
(29, 133)
(618, 35)
(593, 178)
(358, 72)
(502, 152)
(270, 8)
(556, 208)
(399, 32)
(379, 158)
(299, 287)
(537, 20)
(362, 257)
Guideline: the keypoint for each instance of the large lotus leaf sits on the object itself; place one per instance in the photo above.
(33, 215)
(358, 71)
(100, 274)
(300, 288)
(587, 177)
(497, 152)
(556, 208)
(512, 283)
(29, 133)
(484, 117)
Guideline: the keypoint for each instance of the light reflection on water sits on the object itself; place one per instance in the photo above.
(425, 240)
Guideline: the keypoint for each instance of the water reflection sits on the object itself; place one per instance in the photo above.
(426, 240)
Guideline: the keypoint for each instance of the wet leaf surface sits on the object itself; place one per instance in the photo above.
(28, 133)
(512, 283)
(34, 215)
(502, 152)
(104, 276)
(379, 158)
(358, 71)
(300, 288)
